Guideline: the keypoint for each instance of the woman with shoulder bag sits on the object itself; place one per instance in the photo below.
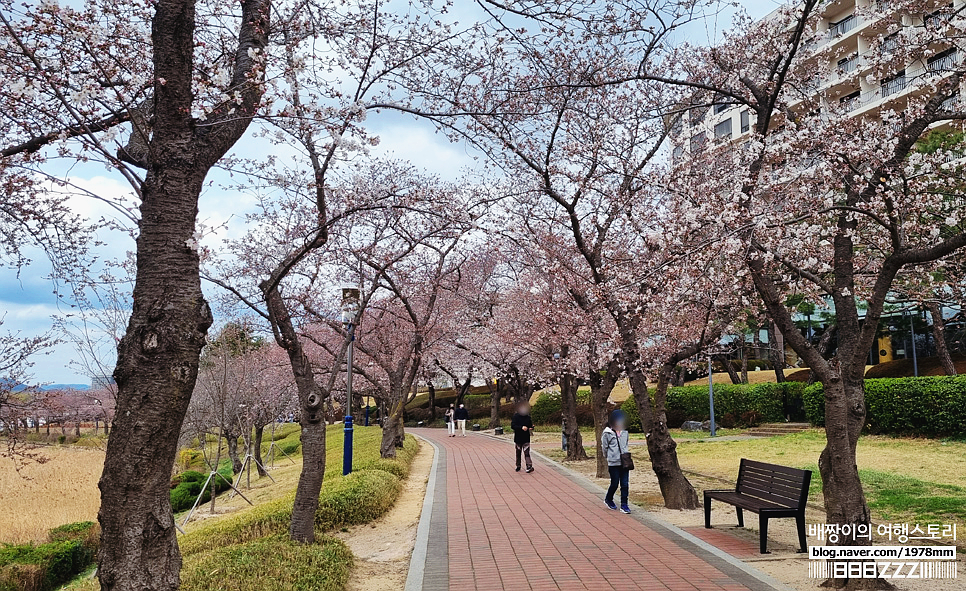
(614, 441)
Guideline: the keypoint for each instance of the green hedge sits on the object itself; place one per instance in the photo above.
(766, 402)
(270, 564)
(70, 550)
(187, 486)
(546, 410)
(932, 406)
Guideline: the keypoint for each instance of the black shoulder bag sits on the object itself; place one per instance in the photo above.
(627, 462)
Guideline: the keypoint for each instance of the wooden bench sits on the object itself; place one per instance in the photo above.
(770, 491)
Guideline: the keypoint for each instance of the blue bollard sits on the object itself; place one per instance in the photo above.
(347, 447)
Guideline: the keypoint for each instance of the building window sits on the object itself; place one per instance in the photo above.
(721, 107)
(723, 130)
(745, 121)
(943, 62)
(697, 141)
(950, 104)
(937, 17)
(677, 152)
(843, 26)
(698, 114)
(850, 101)
(848, 64)
(894, 84)
(890, 43)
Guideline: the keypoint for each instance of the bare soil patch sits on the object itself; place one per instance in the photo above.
(383, 547)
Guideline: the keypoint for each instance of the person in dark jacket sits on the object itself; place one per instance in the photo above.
(461, 415)
(522, 425)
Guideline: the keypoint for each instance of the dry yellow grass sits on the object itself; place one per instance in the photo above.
(43, 496)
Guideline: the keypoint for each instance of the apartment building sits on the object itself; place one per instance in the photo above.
(852, 37)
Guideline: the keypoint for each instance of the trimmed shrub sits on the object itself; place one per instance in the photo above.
(271, 564)
(632, 417)
(357, 498)
(42, 567)
(926, 406)
(290, 446)
(186, 487)
(260, 521)
(814, 398)
(738, 404)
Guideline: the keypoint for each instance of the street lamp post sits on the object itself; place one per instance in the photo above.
(915, 358)
(350, 312)
(711, 393)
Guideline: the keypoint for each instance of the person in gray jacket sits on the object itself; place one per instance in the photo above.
(614, 441)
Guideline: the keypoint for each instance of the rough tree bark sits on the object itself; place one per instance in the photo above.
(432, 400)
(939, 336)
(259, 464)
(568, 408)
(661, 447)
(776, 354)
(494, 405)
(393, 431)
(311, 417)
(728, 367)
(157, 360)
(232, 441)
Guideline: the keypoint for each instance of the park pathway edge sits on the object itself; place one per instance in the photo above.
(432, 520)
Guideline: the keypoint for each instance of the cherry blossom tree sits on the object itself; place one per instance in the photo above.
(822, 202)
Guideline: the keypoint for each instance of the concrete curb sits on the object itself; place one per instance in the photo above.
(417, 563)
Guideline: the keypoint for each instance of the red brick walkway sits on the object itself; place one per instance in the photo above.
(548, 530)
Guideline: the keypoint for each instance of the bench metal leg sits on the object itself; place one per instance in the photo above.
(707, 511)
(800, 522)
(741, 517)
(763, 540)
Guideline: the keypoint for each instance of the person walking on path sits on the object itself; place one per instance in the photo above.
(522, 425)
(614, 441)
(451, 420)
(461, 415)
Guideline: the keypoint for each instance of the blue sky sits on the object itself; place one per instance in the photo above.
(27, 301)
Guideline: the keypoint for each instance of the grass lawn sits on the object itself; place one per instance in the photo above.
(905, 480)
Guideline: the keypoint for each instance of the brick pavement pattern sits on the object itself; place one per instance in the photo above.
(545, 531)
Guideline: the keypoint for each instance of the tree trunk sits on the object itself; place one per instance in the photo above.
(157, 359)
(776, 353)
(675, 487)
(494, 407)
(393, 431)
(744, 361)
(568, 407)
(939, 336)
(728, 367)
(231, 440)
(432, 401)
(259, 464)
(601, 385)
(311, 417)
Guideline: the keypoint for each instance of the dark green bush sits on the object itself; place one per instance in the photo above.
(186, 487)
(632, 417)
(41, 567)
(740, 404)
(289, 446)
(932, 406)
